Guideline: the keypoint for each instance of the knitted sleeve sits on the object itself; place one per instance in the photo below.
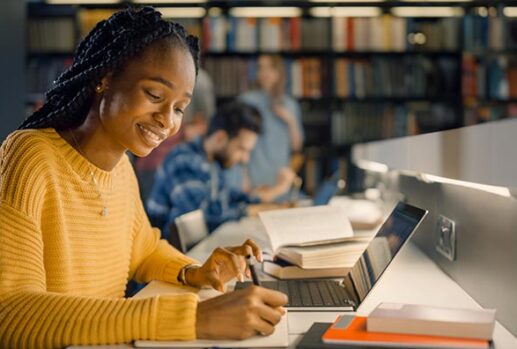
(31, 316)
(154, 259)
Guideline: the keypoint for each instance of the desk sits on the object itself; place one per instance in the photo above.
(411, 278)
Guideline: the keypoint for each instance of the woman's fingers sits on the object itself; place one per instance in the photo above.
(263, 327)
(267, 317)
(240, 314)
(247, 248)
(226, 263)
(271, 315)
(214, 281)
(273, 298)
(257, 251)
(226, 258)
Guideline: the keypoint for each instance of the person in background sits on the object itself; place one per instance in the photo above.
(282, 129)
(191, 177)
(72, 225)
(195, 123)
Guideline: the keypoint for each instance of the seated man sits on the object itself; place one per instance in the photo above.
(191, 176)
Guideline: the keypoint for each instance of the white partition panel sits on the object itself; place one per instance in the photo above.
(485, 153)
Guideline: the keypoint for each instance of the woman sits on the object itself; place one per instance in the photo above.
(282, 130)
(72, 225)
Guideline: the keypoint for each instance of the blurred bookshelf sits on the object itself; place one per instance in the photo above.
(387, 72)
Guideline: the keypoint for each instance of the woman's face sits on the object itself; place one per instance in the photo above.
(144, 103)
(267, 75)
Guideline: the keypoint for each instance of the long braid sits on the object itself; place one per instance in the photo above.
(105, 49)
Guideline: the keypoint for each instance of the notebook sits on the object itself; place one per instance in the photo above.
(330, 295)
(355, 334)
(279, 338)
(312, 338)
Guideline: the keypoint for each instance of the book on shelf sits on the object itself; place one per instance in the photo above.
(41, 73)
(282, 269)
(389, 34)
(234, 75)
(233, 34)
(354, 333)
(88, 18)
(51, 34)
(385, 77)
(432, 321)
(314, 237)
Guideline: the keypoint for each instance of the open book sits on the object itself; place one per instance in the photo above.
(314, 237)
(306, 226)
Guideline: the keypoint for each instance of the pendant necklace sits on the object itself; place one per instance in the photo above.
(104, 211)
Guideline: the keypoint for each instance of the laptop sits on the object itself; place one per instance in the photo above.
(349, 293)
(326, 191)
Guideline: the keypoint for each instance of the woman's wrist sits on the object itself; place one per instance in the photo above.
(188, 275)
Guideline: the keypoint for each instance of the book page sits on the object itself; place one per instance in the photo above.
(295, 226)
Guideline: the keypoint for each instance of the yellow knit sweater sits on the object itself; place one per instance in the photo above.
(64, 266)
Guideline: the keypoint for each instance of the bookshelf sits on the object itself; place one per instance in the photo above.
(357, 78)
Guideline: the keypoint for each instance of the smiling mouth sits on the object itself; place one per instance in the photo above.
(151, 137)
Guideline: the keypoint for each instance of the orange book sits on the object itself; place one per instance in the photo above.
(355, 334)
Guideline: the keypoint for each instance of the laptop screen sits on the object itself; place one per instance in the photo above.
(381, 250)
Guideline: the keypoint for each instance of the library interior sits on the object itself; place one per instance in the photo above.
(258, 174)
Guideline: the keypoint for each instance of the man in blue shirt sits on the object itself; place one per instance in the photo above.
(191, 176)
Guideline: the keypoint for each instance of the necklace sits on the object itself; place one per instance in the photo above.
(104, 212)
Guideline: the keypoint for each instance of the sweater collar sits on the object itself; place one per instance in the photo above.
(82, 166)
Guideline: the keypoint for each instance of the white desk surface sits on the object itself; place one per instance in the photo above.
(411, 278)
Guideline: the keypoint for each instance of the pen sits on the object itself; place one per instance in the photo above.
(254, 275)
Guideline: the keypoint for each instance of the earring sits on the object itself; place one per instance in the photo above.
(99, 88)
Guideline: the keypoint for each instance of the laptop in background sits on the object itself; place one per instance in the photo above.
(326, 191)
(347, 295)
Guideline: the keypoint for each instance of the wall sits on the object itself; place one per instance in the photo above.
(486, 238)
(484, 153)
(486, 223)
(12, 66)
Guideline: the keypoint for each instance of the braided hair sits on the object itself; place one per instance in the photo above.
(111, 44)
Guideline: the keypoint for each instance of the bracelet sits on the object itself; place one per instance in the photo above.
(182, 276)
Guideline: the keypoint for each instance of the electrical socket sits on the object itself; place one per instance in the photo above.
(446, 237)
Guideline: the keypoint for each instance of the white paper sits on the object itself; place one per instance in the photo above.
(279, 338)
(294, 226)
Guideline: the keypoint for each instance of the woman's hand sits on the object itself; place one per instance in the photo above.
(295, 135)
(283, 114)
(224, 264)
(285, 178)
(240, 314)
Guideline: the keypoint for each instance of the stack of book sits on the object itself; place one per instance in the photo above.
(312, 242)
(415, 326)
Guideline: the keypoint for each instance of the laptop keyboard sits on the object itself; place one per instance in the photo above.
(308, 293)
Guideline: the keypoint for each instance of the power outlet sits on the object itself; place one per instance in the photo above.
(446, 237)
